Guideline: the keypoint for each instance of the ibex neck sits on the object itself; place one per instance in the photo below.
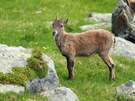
(58, 37)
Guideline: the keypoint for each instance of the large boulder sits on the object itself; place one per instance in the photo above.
(122, 20)
(127, 90)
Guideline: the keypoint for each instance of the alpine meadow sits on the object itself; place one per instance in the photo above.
(28, 23)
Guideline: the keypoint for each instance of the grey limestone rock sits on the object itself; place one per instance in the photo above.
(12, 56)
(11, 88)
(101, 20)
(123, 47)
(60, 94)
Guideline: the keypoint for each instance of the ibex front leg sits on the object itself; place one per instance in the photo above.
(70, 67)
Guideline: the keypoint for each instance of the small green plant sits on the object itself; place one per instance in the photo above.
(37, 63)
(17, 76)
(37, 53)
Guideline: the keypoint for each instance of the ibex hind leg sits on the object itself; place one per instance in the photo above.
(107, 59)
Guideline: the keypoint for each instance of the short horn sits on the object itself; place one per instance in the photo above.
(56, 16)
(63, 17)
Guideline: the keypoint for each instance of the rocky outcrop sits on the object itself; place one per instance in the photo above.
(17, 56)
(127, 90)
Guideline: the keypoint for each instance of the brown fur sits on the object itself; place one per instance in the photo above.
(83, 44)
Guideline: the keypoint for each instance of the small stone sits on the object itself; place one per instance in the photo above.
(60, 94)
(127, 90)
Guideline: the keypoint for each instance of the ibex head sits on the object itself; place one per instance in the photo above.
(58, 25)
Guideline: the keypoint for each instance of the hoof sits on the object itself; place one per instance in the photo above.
(112, 79)
(71, 78)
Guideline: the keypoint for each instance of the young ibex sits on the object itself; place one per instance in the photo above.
(84, 44)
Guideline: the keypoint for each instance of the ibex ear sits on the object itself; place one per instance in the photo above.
(65, 21)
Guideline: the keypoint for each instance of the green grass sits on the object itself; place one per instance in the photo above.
(10, 96)
(92, 77)
(27, 23)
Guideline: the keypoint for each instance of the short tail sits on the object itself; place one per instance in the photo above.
(114, 40)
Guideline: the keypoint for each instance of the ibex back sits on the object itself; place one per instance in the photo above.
(83, 44)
